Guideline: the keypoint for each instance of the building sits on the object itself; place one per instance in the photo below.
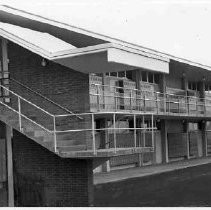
(74, 102)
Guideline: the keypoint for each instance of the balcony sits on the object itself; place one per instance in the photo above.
(105, 98)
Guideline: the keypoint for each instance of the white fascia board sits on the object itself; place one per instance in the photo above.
(103, 47)
(23, 43)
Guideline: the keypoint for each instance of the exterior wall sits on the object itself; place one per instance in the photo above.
(44, 179)
(60, 84)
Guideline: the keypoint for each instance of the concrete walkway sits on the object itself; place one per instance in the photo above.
(118, 175)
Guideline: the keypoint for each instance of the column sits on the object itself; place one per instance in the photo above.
(164, 141)
(104, 137)
(186, 130)
(203, 123)
(204, 138)
(10, 166)
(162, 87)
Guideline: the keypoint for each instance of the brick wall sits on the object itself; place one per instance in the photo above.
(61, 84)
(44, 179)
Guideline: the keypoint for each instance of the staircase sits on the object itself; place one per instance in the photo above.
(67, 135)
(29, 124)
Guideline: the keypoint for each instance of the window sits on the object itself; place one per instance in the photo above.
(193, 86)
(149, 77)
(144, 77)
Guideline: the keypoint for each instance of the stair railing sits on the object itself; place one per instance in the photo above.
(20, 114)
(45, 98)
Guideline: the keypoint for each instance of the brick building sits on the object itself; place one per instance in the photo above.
(74, 103)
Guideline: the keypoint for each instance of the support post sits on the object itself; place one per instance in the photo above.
(186, 131)
(54, 133)
(105, 137)
(19, 114)
(93, 135)
(164, 141)
(10, 166)
(114, 122)
(162, 87)
(204, 138)
(134, 122)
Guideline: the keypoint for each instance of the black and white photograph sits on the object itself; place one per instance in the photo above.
(105, 103)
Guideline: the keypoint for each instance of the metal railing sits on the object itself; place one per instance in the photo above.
(43, 97)
(26, 117)
(112, 98)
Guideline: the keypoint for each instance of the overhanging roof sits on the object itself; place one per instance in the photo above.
(82, 37)
(99, 58)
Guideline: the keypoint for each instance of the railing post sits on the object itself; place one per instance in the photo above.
(144, 139)
(152, 131)
(131, 100)
(19, 114)
(144, 102)
(156, 98)
(54, 134)
(93, 135)
(115, 99)
(134, 122)
(114, 122)
(98, 98)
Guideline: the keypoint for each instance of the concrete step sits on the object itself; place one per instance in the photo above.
(64, 136)
(72, 148)
(66, 143)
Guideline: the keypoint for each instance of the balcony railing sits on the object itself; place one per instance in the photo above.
(111, 98)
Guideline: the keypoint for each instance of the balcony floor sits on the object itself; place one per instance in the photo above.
(104, 152)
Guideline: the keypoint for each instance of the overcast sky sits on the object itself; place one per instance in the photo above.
(180, 28)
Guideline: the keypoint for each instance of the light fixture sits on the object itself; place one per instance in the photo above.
(43, 62)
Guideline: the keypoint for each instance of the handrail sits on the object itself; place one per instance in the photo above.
(27, 101)
(26, 117)
(47, 99)
(145, 91)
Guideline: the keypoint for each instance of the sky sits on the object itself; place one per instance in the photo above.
(180, 28)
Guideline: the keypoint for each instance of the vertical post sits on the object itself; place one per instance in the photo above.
(164, 141)
(114, 122)
(19, 114)
(131, 100)
(93, 135)
(54, 134)
(157, 107)
(144, 97)
(98, 98)
(10, 166)
(153, 143)
(115, 99)
(144, 140)
(186, 131)
(134, 122)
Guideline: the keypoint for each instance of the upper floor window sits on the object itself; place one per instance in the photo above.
(121, 74)
(208, 88)
(193, 86)
(149, 77)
